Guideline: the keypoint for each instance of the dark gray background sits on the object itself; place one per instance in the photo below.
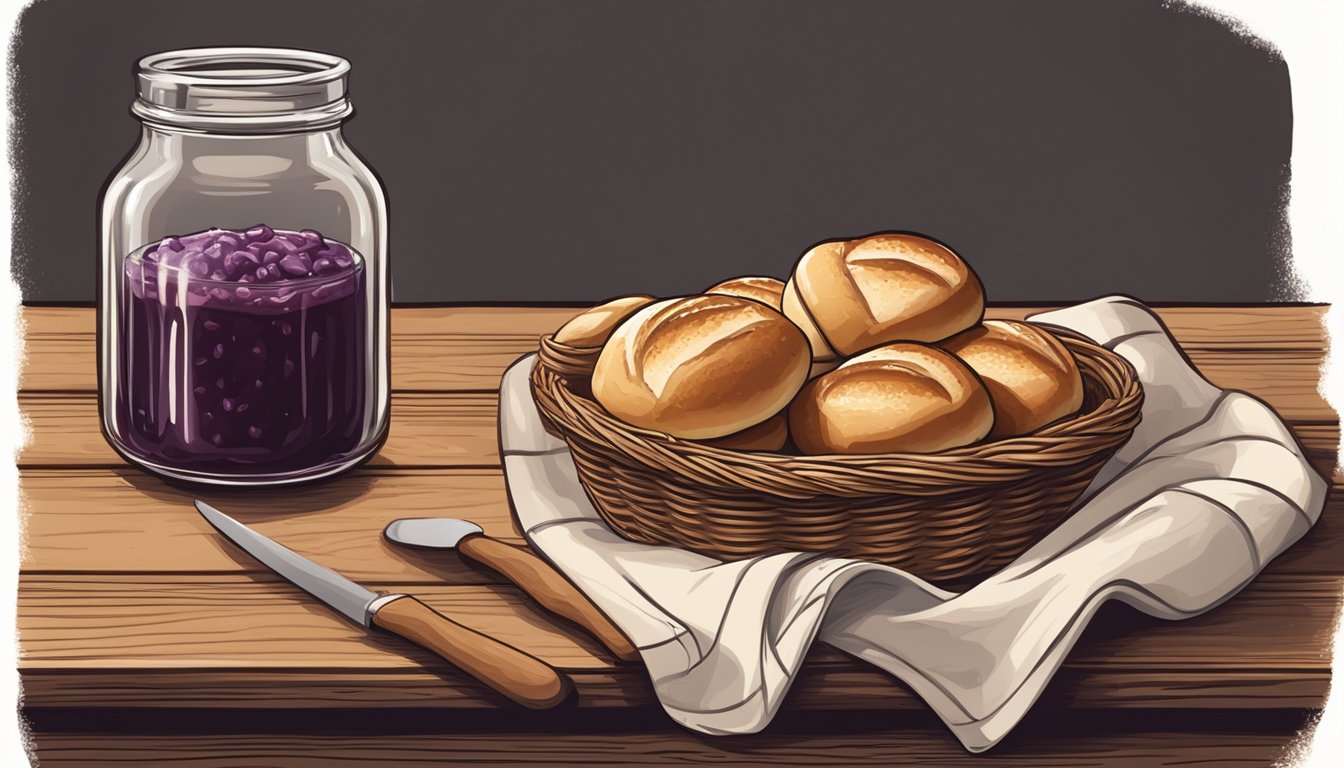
(569, 151)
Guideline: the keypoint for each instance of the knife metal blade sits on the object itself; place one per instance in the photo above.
(342, 594)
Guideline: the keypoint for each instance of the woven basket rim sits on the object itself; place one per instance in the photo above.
(988, 463)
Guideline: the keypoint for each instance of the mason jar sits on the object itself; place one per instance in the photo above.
(243, 279)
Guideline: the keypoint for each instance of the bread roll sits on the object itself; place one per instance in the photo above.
(701, 366)
(766, 290)
(593, 327)
(855, 295)
(898, 398)
(1031, 376)
(769, 435)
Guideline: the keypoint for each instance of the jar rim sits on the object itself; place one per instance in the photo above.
(310, 67)
(242, 89)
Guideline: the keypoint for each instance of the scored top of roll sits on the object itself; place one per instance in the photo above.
(701, 366)
(767, 290)
(900, 397)
(1032, 377)
(859, 294)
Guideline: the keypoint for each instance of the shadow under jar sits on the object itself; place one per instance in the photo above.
(243, 284)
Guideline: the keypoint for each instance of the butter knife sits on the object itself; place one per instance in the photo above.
(536, 577)
(521, 677)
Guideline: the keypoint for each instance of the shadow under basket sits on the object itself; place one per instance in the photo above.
(950, 518)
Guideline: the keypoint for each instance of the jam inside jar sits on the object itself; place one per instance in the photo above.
(244, 353)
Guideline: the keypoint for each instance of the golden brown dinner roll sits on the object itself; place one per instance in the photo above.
(855, 295)
(769, 435)
(1031, 376)
(701, 366)
(824, 357)
(897, 398)
(767, 290)
(593, 327)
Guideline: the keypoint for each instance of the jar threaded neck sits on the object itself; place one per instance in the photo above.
(242, 90)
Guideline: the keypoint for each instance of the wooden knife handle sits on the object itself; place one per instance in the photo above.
(547, 586)
(523, 678)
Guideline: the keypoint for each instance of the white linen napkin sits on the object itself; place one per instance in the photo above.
(1211, 487)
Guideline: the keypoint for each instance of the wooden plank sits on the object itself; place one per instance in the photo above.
(1287, 381)
(1320, 442)
(230, 641)
(1071, 743)
(349, 689)
(81, 521)
(242, 623)
(430, 429)
(465, 347)
(814, 691)
(99, 521)
(468, 347)
(448, 429)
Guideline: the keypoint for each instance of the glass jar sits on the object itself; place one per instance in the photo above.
(243, 280)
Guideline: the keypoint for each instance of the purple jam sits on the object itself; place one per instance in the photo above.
(243, 352)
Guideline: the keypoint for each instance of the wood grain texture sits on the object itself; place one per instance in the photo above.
(813, 691)
(893, 746)
(96, 521)
(264, 623)
(127, 521)
(217, 638)
(370, 691)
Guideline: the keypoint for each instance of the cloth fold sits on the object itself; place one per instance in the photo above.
(1210, 488)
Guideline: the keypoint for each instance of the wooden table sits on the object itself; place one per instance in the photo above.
(146, 640)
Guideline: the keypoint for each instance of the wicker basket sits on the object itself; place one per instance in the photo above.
(948, 517)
